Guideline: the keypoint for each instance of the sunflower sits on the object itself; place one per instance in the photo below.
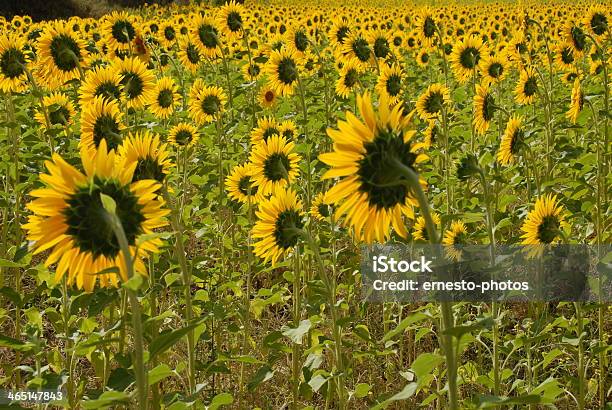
(390, 83)
(69, 218)
(277, 229)
(266, 127)
(60, 54)
(431, 133)
(230, 19)
(511, 142)
(183, 135)
(276, 164)
(575, 38)
(422, 58)
(13, 62)
(239, 184)
(205, 103)
(564, 57)
(466, 58)
(168, 33)
(206, 35)
(527, 87)
(484, 108)
(597, 20)
(189, 55)
(340, 31)
(120, 30)
(357, 47)
(101, 120)
(297, 40)
(148, 153)
(282, 69)
(494, 69)
(453, 240)
(381, 44)
(420, 227)
(101, 82)
(426, 28)
(545, 223)
(350, 73)
(166, 97)
(431, 103)
(288, 129)
(137, 80)
(569, 76)
(320, 209)
(268, 96)
(371, 158)
(577, 102)
(59, 108)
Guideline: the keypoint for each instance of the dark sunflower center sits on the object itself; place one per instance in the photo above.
(378, 180)
(183, 137)
(361, 49)
(460, 238)
(106, 127)
(59, 116)
(245, 186)
(424, 58)
(301, 41)
(599, 23)
(397, 41)
(254, 70)
(429, 27)
(108, 90)
(580, 101)
(548, 229)
(578, 38)
(521, 48)
(394, 85)
(192, 54)
(169, 33)
(268, 132)
(148, 168)
(65, 52)
(350, 78)
(276, 167)
(434, 134)
(165, 98)
(516, 141)
(567, 56)
(423, 231)
(381, 47)
(496, 70)
(208, 36)
(531, 86)
(323, 210)
(411, 42)
(285, 233)
(87, 222)
(123, 31)
(469, 57)
(211, 104)
(12, 63)
(341, 34)
(269, 96)
(132, 85)
(571, 77)
(433, 102)
(288, 133)
(234, 21)
(287, 70)
(488, 107)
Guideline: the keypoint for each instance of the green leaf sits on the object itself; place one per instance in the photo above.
(159, 373)
(12, 295)
(407, 392)
(297, 334)
(221, 399)
(413, 318)
(550, 356)
(15, 344)
(106, 400)
(9, 264)
(317, 382)
(166, 340)
(362, 390)
(487, 402)
(425, 363)
(134, 283)
(264, 374)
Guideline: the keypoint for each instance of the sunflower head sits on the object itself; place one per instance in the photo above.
(454, 239)
(101, 120)
(512, 141)
(320, 209)
(148, 153)
(433, 101)
(484, 108)
(275, 163)
(240, 186)
(183, 135)
(13, 61)
(420, 227)
(545, 223)
(598, 20)
(283, 71)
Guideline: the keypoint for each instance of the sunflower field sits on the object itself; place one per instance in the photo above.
(187, 191)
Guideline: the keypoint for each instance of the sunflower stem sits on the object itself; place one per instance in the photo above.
(140, 369)
(297, 314)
